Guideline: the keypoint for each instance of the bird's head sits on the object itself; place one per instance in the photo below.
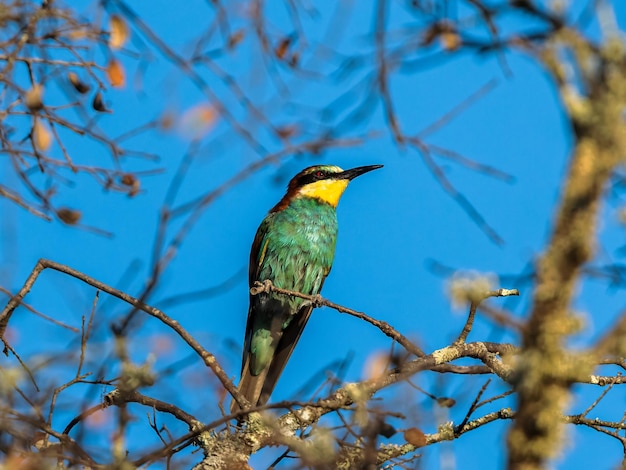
(324, 182)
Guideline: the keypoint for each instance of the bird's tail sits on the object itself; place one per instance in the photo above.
(250, 386)
(258, 388)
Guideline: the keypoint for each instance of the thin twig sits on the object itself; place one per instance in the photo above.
(319, 301)
(474, 305)
(472, 407)
(208, 358)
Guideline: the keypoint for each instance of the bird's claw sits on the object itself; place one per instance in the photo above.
(317, 301)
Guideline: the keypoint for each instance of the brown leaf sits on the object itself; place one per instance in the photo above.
(115, 74)
(98, 104)
(134, 190)
(38, 440)
(33, 98)
(446, 402)
(41, 135)
(283, 47)
(80, 86)
(286, 132)
(78, 34)
(167, 121)
(235, 39)
(69, 216)
(450, 41)
(119, 32)
(415, 437)
(128, 179)
(294, 59)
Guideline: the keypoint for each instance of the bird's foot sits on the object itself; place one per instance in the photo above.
(317, 301)
(261, 287)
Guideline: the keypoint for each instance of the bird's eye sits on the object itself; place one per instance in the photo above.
(319, 174)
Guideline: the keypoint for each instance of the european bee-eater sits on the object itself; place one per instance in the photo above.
(293, 248)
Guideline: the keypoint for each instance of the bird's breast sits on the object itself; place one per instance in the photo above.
(300, 248)
(309, 227)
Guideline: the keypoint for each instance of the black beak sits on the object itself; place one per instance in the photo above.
(358, 171)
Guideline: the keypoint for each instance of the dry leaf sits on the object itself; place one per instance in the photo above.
(294, 59)
(80, 86)
(115, 74)
(283, 47)
(415, 437)
(285, 132)
(450, 41)
(33, 98)
(98, 104)
(119, 32)
(446, 402)
(167, 121)
(77, 34)
(235, 39)
(130, 180)
(134, 190)
(39, 441)
(41, 135)
(69, 216)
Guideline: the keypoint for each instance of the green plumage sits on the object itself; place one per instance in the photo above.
(294, 248)
(297, 247)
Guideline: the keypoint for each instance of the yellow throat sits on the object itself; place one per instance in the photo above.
(329, 191)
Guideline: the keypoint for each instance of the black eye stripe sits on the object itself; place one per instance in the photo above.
(312, 177)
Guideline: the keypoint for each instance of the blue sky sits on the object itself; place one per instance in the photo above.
(393, 222)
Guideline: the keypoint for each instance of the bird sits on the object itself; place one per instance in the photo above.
(294, 248)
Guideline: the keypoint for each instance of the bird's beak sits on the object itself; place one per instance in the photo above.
(358, 171)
